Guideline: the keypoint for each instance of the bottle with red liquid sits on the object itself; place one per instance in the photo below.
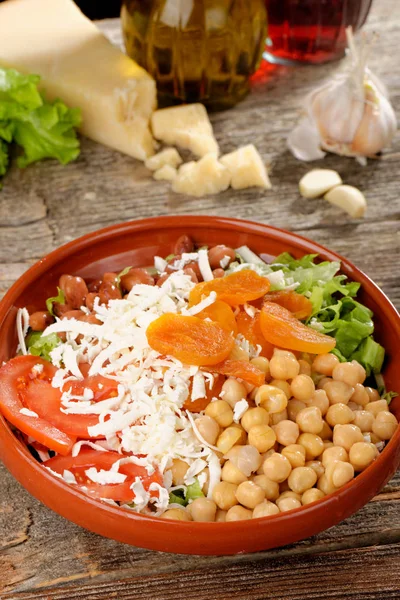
(311, 31)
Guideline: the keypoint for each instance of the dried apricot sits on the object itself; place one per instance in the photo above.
(282, 329)
(250, 328)
(300, 306)
(236, 288)
(241, 370)
(200, 404)
(189, 339)
(221, 313)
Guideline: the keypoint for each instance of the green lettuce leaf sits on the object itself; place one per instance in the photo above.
(60, 298)
(41, 345)
(370, 354)
(177, 497)
(194, 491)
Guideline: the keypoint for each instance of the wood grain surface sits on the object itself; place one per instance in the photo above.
(43, 556)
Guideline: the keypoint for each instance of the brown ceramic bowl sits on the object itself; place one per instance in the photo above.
(135, 244)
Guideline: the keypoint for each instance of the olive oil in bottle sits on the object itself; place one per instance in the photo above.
(196, 50)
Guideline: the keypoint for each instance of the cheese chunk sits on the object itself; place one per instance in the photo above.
(53, 39)
(246, 167)
(166, 173)
(206, 176)
(169, 156)
(186, 126)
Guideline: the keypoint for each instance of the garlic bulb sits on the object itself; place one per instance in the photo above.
(349, 115)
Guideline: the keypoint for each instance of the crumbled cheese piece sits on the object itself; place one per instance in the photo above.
(187, 126)
(104, 477)
(204, 265)
(76, 448)
(141, 496)
(195, 468)
(165, 173)
(69, 477)
(207, 301)
(206, 176)
(224, 262)
(22, 322)
(168, 157)
(28, 413)
(160, 264)
(246, 168)
(239, 409)
(38, 368)
(250, 310)
(198, 387)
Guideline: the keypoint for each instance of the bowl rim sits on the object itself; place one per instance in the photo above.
(194, 222)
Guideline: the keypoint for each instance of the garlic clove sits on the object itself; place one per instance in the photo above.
(317, 182)
(349, 199)
(304, 141)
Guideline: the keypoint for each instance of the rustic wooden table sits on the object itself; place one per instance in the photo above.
(45, 556)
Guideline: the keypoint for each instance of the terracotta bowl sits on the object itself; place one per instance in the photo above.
(135, 244)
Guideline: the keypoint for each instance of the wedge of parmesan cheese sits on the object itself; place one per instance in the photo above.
(206, 176)
(186, 126)
(168, 157)
(53, 39)
(246, 167)
(166, 173)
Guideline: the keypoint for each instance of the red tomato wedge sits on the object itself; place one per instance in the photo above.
(119, 492)
(282, 329)
(234, 289)
(300, 306)
(15, 378)
(102, 387)
(240, 369)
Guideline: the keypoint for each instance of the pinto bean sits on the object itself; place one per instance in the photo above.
(38, 321)
(75, 290)
(183, 244)
(189, 271)
(134, 276)
(218, 253)
(218, 273)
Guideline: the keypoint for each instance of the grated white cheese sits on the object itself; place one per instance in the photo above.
(250, 310)
(28, 413)
(104, 477)
(22, 322)
(204, 265)
(199, 386)
(239, 409)
(224, 262)
(160, 264)
(194, 310)
(76, 448)
(38, 368)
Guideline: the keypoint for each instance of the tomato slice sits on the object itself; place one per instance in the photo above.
(300, 306)
(15, 376)
(282, 329)
(102, 387)
(240, 369)
(87, 458)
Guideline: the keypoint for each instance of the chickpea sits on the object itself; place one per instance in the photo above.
(254, 416)
(360, 395)
(376, 407)
(238, 513)
(264, 456)
(364, 420)
(218, 254)
(39, 320)
(339, 414)
(385, 425)
(261, 437)
(289, 494)
(302, 387)
(338, 392)
(317, 466)
(271, 488)
(373, 394)
(302, 479)
(220, 516)
(375, 439)
(232, 474)
(221, 412)
(206, 483)
(135, 276)
(328, 444)
(261, 363)
(284, 366)
(224, 495)
(320, 400)
(202, 510)
(277, 467)
(309, 420)
(286, 504)
(75, 290)
(325, 363)
(265, 509)
(305, 367)
(177, 514)
(339, 473)
(312, 443)
(286, 432)
(284, 487)
(295, 454)
(228, 438)
(282, 385)
(271, 398)
(334, 453)
(311, 495)
(278, 417)
(234, 391)
(208, 429)
(325, 486)
(347, 435)
(349, 372)
(326, 432)
(249, 494)
(294, 407)
(178, 470)
(362, 454)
